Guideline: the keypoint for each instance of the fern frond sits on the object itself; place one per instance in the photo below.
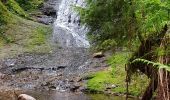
(154, 64)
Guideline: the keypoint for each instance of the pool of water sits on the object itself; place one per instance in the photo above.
(53, 95)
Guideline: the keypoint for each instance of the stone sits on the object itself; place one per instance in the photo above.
(44, 19)
(2, 75)
(25, 97)
(83, 88)
(98, 55)
(111, 86)
(75, 87)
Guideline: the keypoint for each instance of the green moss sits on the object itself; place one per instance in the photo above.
(100, 79)
(116, 75)
(13, 6)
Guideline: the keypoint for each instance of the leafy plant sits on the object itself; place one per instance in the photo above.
(123, 20)
(154, 64)
(28, 5)
(13, 6)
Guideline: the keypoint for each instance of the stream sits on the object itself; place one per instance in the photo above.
(56, 75)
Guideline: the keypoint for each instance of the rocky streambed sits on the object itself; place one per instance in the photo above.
(61, 70)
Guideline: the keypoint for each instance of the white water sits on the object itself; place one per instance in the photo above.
(67, 29)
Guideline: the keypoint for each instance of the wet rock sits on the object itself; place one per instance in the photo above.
(10, 62)
(71, 80)
(50, 11)
(52, 87)
(87, 77)
(50, 7)
(83, 89)
(78, 79)
(45, 19)
(75, 87)
(25, 97)
(5, 77)
(98, 55)
(2, 75)
(75, 79)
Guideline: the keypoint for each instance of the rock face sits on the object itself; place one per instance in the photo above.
(50, 7)
(45, 19)
(48, 12)
(25, 97)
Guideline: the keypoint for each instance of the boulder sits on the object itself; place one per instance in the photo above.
(98, 55)
(25, 97)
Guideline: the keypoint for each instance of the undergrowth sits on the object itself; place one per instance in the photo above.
(116, 75)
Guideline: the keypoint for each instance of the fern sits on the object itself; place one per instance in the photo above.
(154, 64)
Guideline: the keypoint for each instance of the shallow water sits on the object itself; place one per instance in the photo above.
(53, 95)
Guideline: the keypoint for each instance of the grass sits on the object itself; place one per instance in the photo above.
(14, 7)
(30, 5)
(116, 75)
(5, 14)
(25, 36)
(19, 35)
(38, 40)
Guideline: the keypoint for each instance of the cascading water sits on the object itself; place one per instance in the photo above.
(67, 29)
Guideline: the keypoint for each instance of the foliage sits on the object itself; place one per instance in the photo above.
(152, 15)
(156, 65)
(106, 45)
(5, 18)
(28, 5)
(123, 20)
(116, 75)
(105, 19)
(118, 60)
(4, 13)
(13, 6)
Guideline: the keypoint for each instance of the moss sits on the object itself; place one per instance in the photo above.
(15, 8)
(116, 75)
(100, 79)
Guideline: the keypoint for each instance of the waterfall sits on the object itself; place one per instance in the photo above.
(67, 29)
